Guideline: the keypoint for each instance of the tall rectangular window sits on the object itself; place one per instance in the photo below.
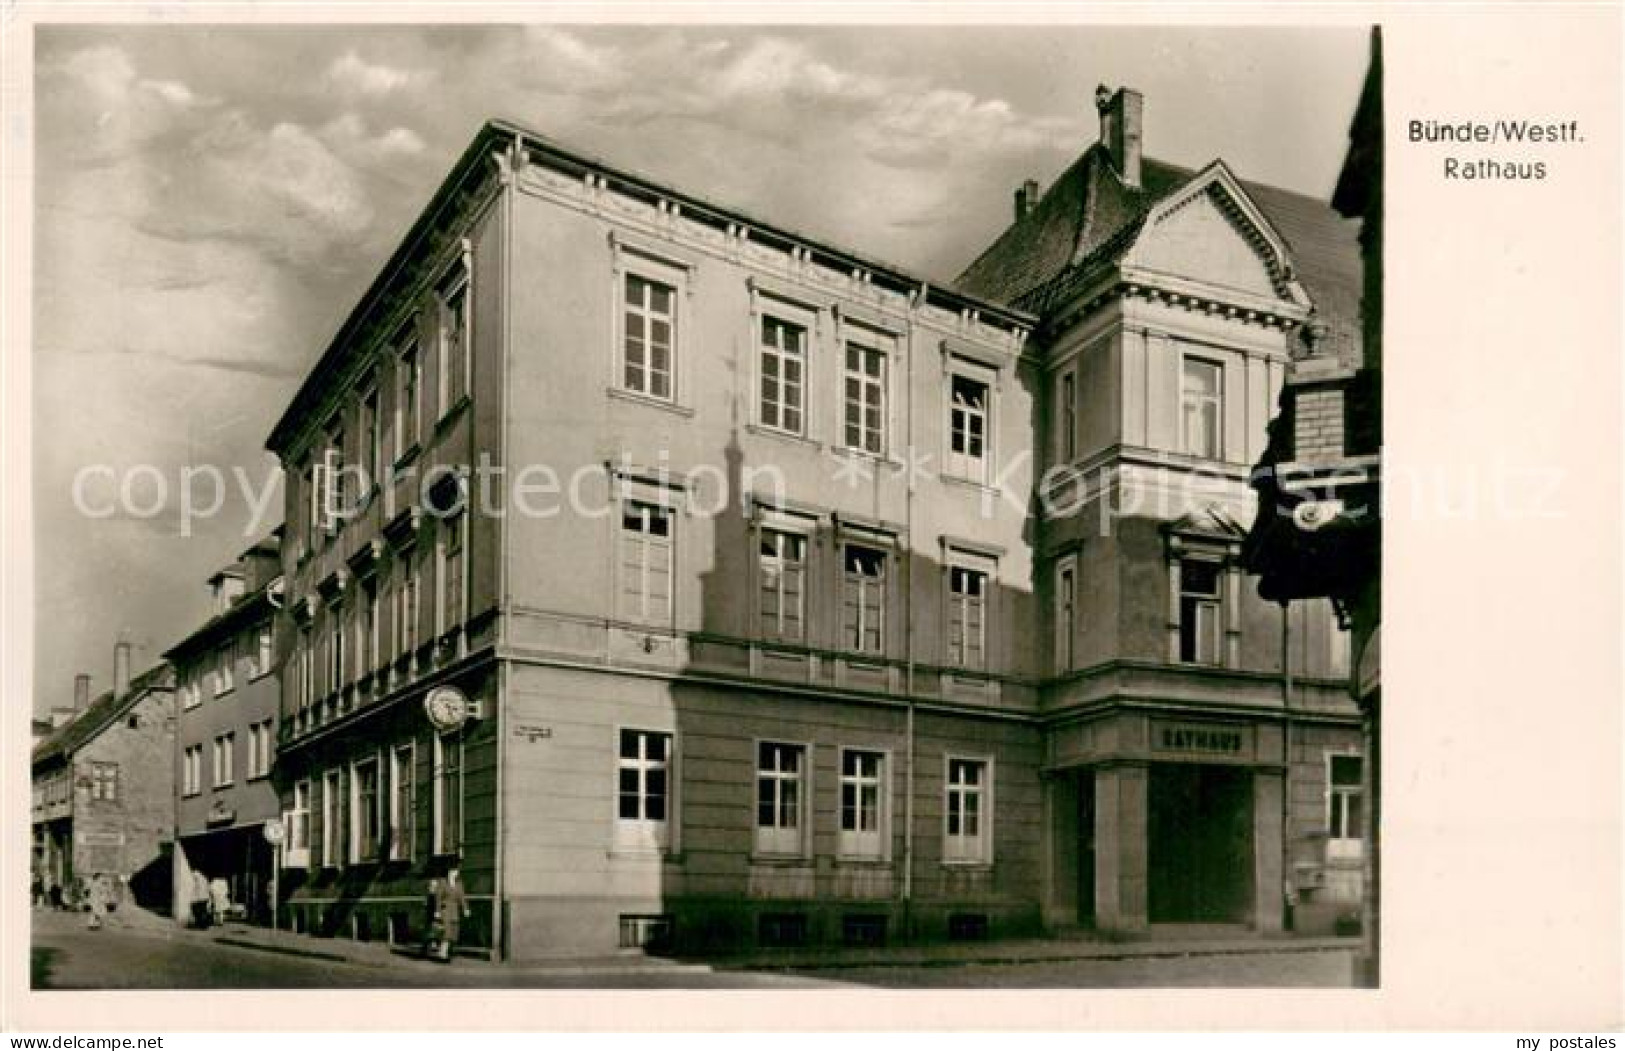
(224, 677)
(298, 832)
(1202, 396)
(865, 399)
(307, 667)
(409, 385)
(967, 617)
(783, 358)
(967, 830)
(1066, 615)
(1345, 822)
(862, 803)
(264, 649)
(364, 810)
(310, 487)
(225, 747)
(967, 428)
(453, 569)
(863, 599)
(454, 344)
(367, 625)
(650, 326)
(332, 785)
(646, 563)
(448, 795)
(1199, 606)
(402, 802)
(192, 770)
(260, 741)
(335, 494)
(337, 667)
(643, 789)
(406, 621)
(779, 798)
(1067, 419)
(372, 437)
(783, 567)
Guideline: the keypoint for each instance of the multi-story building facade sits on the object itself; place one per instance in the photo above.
(225, 742)
(1201, 752)
(103, 800)
(687, 580)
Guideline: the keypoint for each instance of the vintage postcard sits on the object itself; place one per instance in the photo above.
(580, 501)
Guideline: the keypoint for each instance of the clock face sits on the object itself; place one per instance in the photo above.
(446, 707)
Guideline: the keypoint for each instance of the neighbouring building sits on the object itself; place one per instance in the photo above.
(1318, 536)
(225, 741)
(692, 583)
(102, 791)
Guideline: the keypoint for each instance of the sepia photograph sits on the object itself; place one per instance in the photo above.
(756, 507)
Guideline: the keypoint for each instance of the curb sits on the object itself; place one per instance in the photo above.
(924, 962)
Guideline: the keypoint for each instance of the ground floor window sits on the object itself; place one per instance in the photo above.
(1345, 825)
(643, 789)
(779, 794)
(967, 836)
(448, 794)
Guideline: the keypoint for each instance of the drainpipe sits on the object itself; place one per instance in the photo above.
(1287, 892)
(908, 645)
(499, 923)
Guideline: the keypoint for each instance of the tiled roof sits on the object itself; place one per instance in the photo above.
(102, 713)
(1088, 216)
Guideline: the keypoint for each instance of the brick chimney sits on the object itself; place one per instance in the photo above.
(81, 692)
(1026, 198)
(1121, 129)
(121, 668)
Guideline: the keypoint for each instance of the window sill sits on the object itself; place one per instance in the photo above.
(968, 866)
(883, 459)
(967, 483)
(636, 398)
(765, 431)
(862, 861)
(781, 861)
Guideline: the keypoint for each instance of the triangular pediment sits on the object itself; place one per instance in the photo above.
(1212, 523)
(1209, 233)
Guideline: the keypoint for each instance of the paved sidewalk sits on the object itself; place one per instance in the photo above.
(1015, 951)
(1029, 950)
(380, 954)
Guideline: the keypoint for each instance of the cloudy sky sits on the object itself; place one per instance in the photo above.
(210, 202)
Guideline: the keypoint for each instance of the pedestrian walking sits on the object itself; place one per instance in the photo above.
(36, 891)
(97, 895)
(219, 899)
(448, 907)
(199, 897)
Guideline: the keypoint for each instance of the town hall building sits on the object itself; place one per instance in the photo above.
(690, 584)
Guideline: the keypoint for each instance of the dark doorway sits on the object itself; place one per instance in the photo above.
(1200, 840)
(1086, 848)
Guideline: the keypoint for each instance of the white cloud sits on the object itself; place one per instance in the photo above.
(348, 137)
(353, 72)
